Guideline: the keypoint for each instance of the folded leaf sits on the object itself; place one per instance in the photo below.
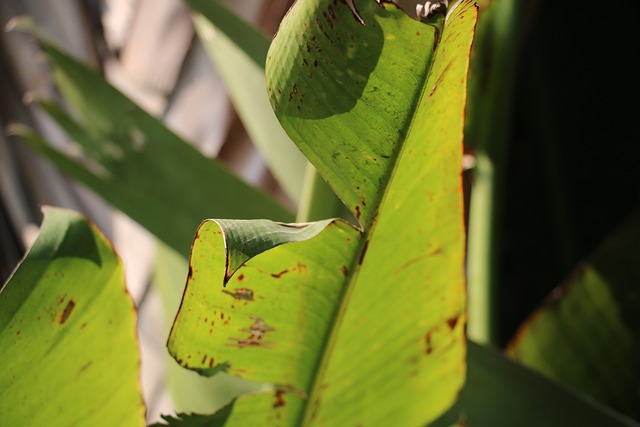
(68, 332)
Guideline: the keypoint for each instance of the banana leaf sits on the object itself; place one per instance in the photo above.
(587, 334)
(68, 332)
(351, 323)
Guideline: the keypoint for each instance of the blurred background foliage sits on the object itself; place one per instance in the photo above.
(565, 157)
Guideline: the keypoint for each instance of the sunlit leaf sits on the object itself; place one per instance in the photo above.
(351, 325)
(68, 333)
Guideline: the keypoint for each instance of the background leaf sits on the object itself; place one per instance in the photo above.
(239, 52)
(139, 165)
(68, 332)
(587, 333)
(502, 392)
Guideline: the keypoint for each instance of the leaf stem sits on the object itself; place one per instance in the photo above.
(488, 132)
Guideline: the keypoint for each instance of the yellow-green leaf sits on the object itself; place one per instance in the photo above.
(68, 333)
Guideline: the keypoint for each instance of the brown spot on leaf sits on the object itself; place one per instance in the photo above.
(427, 340)
(358, 213)
(258, 330)
(279, 275)
(279, 399)
(240, 277)
(452, 322)
(363, 253)
(241, 293)
(211, 362)
(344, 270)
(64, 316)
(301, 268)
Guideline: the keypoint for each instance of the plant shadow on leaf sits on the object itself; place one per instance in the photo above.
(73, 247)
(338, 61)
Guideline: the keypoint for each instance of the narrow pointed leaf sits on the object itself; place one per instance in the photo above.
(239, 52)
(587, 335)
(68, 332)
(139, 165)
(352, 326)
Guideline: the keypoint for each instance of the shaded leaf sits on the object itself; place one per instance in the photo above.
(587, 335)
(138, 165)
(500, 392)
(196, 420)
(68, 332)
(239, 52)
(352, 325)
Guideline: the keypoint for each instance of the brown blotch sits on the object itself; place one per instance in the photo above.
(279, 275)
(240, 293)
(358, 213)
(452, 322)
(301, 268)
(211, 362)
(364, 251)
(241, 278)
(204, 359)
(64, 316)
(258, 330)
(344, 270)
(279, 399)
(427, 340)
(190, 276)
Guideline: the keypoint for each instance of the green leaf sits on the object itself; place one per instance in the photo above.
(196, 420)
(138, 165)
(350, 325)
(239, 51)
(336, 81)
(190, 392)
(587, 334)
(68, 332)
(500, 392)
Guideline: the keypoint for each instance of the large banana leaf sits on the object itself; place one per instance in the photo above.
(68, 333)
(587, 335)
(351, 324)
(138, 165)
